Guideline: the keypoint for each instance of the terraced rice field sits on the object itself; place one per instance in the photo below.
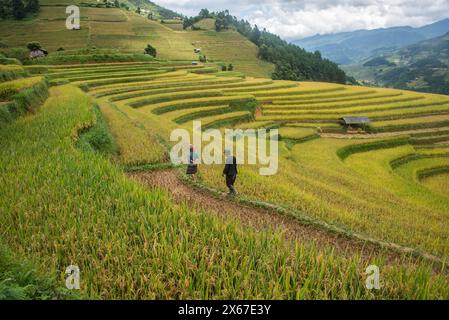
(388, 189)
(111, 28)
(360, 194)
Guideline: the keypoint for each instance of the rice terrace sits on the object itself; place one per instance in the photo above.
(86, 180)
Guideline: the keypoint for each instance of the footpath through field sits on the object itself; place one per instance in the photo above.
(260, 219)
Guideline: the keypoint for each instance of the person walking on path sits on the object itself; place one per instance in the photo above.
(192, 167)
(230, 171)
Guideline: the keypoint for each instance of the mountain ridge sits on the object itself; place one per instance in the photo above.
(355, 46)
(421, 67)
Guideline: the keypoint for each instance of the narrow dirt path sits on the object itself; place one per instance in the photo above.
(259, 219)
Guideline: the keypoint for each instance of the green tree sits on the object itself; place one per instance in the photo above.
(32, 6)
(34, 45)
(4, 9)
(138, 10)
(204, 14)
(230, 67)
(18, 9)
(116, 4)
(224, 68)
(150, 50)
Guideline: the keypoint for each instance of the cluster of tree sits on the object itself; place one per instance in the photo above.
(18, 9)
(190, 22)
(379, 61)
(230, 67)
(157, 11)
(291, 61)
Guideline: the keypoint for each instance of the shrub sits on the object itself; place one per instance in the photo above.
(150, 50)
(20, 54)
(34, 45)
(345, 152)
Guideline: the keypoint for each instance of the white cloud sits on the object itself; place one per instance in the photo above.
(296, 19)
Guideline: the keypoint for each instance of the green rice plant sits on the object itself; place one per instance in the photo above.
(295, 92)
(226, 120)
(137, 144)
(296, 133)
(123, 80)
(381, 104)
(10, 88)
(20, 281)
(27, 100)
(11, 72)
(197, 115)
(98, 66)
(98, 137)
(120, 75)
(165, 107)
(96, 71)
(263, 87)
(396, 163)
(349, 150)
(436, 179)
(317, 99)
(59, 59)
(37, 69)
(188, 86)
(172, 97)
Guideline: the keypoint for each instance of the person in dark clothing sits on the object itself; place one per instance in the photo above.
(230, 172)
(192, 167)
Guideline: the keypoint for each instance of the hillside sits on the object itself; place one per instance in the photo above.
(421, 67)
(351, 47)
(337, 203)
(118, 29)
(87, 179)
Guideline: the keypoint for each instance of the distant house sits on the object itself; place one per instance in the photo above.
(194, 63)
(355, 122)
(38, 53)
(197, 50)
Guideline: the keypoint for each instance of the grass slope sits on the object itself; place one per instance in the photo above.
(111, 28)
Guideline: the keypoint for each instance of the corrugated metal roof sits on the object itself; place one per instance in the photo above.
(356, 120)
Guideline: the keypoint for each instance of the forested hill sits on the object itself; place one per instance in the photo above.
(291, 62)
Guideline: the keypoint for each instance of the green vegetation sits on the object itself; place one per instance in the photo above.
(292, 62)
(65, 197)
(18, 9)
(19, 281)
(21, 96)
(98, 137)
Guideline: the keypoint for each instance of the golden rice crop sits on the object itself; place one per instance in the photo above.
(78, 208)
(138, 144)
(10, 88)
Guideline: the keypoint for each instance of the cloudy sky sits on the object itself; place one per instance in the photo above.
(295, 19)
